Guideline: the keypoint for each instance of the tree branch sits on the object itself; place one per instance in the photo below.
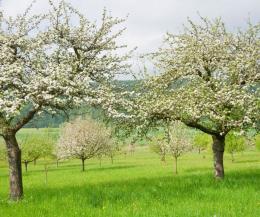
(26, 119)
(202, 128)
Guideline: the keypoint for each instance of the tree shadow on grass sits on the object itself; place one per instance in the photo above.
(150, 190)
(246, 161)
(103, 168)
(77, 168)
(199, 170)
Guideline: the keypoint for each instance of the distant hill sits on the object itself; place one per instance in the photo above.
(49, 120)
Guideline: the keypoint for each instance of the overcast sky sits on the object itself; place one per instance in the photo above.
(149, 20)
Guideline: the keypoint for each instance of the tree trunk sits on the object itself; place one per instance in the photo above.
(57, 163)
(112, 159)
(176, 165)
(83, 164)
(163, 158)
(34, 162)
(15, 167)
(218, 147)
(26, 166)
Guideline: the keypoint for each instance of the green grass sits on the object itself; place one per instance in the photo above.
(138, 185)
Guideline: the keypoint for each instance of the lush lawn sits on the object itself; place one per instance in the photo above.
(138, 185)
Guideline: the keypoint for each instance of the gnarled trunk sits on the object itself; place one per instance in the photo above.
(218, 148)
(15, 167)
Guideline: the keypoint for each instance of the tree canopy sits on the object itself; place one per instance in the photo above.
(54, 62)
(208, 78)
(83, 139)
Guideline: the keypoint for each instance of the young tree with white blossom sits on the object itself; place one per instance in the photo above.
(112, 149)
(209, 79)
(178, 141)
(175, 140)
(159, 146)
(83, 139)
(52, 62)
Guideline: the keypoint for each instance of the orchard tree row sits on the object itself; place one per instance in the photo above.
(86, 138)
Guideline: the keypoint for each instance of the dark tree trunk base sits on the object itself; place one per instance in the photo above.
(218, 147)
(26, 166)
(15, 167)
(83, 164)
(176, 165)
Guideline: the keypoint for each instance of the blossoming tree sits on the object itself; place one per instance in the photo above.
(83, 139)
(175, 139)
(209, 79)
(179, 141)
(158, 145)
(52, 62)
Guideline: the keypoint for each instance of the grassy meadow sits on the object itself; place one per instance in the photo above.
(137, 185)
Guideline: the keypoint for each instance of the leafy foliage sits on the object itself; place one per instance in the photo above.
(257, 141)
(201, 141)
(2, 150)
(235, 143)
(36, 145)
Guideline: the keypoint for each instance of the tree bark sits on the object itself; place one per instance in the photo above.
(15, 167)
(218, 148)
(26, 166)
(83, 164)
(176, 165)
